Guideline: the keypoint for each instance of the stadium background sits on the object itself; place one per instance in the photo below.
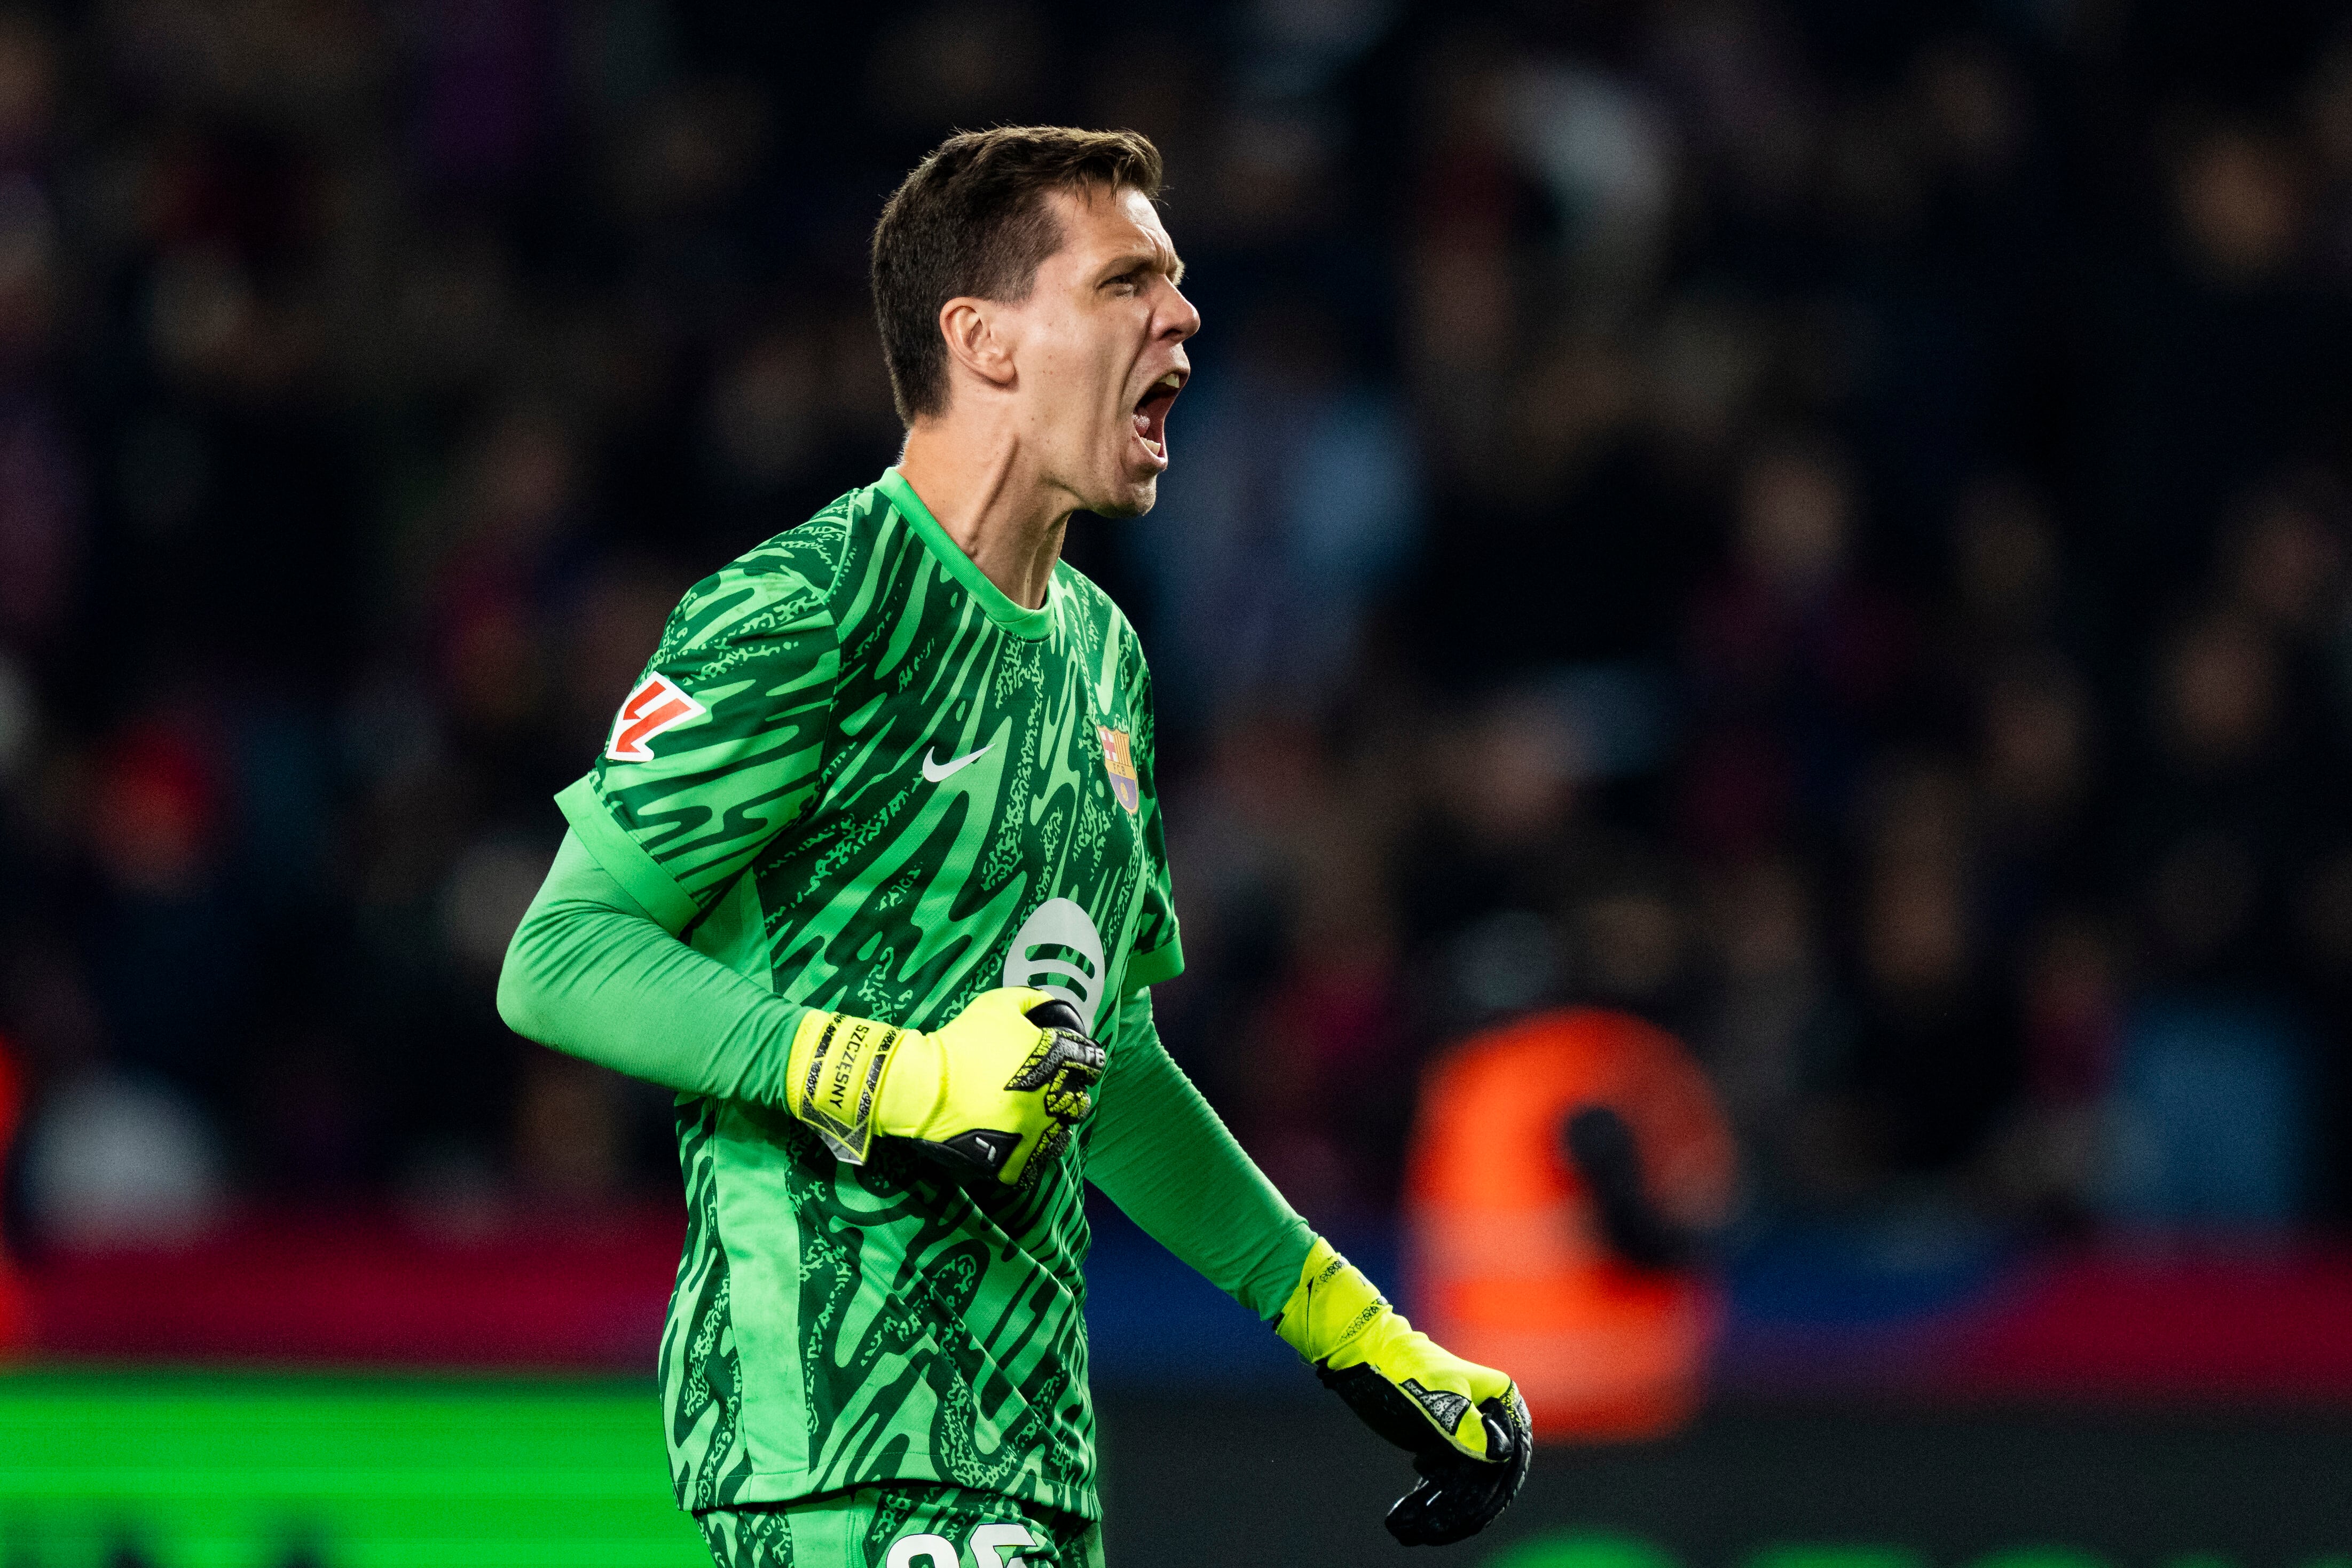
(1822, 523)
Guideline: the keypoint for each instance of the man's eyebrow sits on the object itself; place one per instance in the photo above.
(1159, 259)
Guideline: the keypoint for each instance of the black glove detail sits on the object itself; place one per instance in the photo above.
(1457, 1496)
(978, 1154)
(1057, 1014)
(1067, 1065)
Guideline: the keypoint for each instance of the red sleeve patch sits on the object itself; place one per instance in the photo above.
(653, 708)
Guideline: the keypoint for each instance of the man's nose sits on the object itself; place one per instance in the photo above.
(1181, 321)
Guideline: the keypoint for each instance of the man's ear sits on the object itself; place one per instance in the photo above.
(977, 338)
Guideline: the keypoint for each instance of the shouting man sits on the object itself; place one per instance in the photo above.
(871, 873)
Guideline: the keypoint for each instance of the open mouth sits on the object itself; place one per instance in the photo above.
(1151, 416)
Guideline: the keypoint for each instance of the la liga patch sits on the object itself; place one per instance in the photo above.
(1119, 761)
(653, 708)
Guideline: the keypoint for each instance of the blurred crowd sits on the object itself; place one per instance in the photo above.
(1822, 524)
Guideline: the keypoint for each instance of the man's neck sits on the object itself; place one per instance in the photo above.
(995, 505)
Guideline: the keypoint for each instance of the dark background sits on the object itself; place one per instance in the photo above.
(1823, 524)
(1759, 1488)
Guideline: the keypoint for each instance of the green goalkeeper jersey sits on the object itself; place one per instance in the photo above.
(859, 772)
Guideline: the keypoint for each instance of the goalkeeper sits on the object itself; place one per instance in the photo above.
(871, 872)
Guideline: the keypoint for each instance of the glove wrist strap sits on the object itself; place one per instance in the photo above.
(838, 1068)
(1332, 1305)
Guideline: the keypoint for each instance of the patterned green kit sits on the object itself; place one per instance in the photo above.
(858, 771)
(900, 1527)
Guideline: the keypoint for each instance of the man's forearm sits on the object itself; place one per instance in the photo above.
(1162, 1153)
(590, 973)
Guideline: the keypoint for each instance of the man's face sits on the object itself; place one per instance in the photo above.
(1100, 352)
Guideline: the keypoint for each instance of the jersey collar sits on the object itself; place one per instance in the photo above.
(995, 601)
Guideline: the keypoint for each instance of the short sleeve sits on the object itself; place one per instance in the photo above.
(1158, 955)
(719, 743)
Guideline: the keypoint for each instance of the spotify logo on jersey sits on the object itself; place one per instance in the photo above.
(1057, 949)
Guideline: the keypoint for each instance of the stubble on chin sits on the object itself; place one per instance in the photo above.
(1133, 500)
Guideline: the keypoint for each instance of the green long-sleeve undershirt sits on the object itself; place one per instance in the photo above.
(591, 973)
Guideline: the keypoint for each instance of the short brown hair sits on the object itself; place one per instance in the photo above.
(971, 220)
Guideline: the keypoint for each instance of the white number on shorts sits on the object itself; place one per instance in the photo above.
(988, 1549)
(936, 1551)
(988, 1544)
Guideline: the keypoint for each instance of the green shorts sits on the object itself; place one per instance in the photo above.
(901, 1527)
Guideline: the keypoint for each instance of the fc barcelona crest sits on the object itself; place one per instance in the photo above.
(1119, 763)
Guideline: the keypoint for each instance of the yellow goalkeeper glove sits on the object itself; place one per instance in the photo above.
(1465, 1424)
(994, 1093)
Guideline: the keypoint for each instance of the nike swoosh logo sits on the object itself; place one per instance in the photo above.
(935, 771)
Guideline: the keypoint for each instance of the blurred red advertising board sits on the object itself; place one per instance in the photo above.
(546, 1291)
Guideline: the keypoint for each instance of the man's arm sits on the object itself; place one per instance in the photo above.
(1166, 1159)
(591, 973)
(714, 752)
(1158, 1151)
(995, 1092)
